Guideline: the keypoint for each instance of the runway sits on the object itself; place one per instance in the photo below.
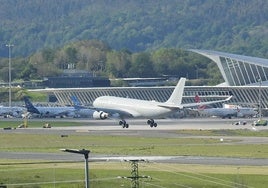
(170, 124)
(166, 128)
(69, 157)
(163, 124)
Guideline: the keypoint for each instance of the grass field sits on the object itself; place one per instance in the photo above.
(37, 124)
(104, 175)
(43, 174)
(123, 145)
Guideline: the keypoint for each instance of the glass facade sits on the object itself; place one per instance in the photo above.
(240, 73)
(239, 70)
(242, 95)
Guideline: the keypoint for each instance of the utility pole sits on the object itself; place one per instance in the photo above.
(135, 173)
(9, 72)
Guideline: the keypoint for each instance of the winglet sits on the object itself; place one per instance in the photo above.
(176, 96)
(229, 98)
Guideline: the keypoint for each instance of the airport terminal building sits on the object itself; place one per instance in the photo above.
(246, 79)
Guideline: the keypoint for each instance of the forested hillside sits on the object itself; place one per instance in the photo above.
(238, 26)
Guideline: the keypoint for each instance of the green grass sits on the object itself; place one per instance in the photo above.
(224, 132)
(38, 124)
(125, 145)
(19, 93)
(104, 175)
(46, 174)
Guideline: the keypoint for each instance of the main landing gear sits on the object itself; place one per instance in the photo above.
(123, 123)
(150, 122)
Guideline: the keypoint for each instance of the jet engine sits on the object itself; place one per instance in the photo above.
(100, 115)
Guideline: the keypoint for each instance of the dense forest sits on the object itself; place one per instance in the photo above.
(100, 59)
(117, 38)
(140, 25)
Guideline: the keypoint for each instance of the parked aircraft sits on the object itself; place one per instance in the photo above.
(13, 111)
(228, 111)
(133, 108)
(80, 110)
(44, 111)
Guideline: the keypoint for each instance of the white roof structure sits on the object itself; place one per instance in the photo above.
(239, 70)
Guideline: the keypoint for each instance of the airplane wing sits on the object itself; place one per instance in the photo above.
(188, 105)
(63, 113)
(171, 106)
(205, 103)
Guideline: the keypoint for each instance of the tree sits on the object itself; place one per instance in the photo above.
(142, 65)
(118, 64)
(29, 72)
(71, 55)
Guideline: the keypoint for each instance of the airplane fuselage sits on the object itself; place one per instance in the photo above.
(13, 111)
(86, 113)
(228, 112)
(134, 107)
(55, 111)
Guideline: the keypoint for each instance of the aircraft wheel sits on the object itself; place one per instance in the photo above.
(125, 125)
(122, 122)
(150, 121)
(155, 124)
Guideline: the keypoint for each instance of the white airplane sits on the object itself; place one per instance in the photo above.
(228, 111)
(134, 108)
(44, 111)
(13, 111)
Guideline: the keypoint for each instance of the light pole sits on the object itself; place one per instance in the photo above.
(259, 105)
(85, 153)
(260, 112)
(9, 72)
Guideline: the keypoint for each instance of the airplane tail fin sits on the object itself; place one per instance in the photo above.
(76, 103)
(176, 96)
(30, 107)
(198, 100)
(75, 100)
